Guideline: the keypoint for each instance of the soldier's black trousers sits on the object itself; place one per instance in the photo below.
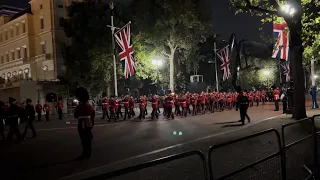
(86, 138)
(29, 124)
(13, 130)
(39, 115)
(2, 129)
(244, 114)
(276, 105)
(60, 113)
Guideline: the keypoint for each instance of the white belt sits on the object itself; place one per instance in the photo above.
(84, 117)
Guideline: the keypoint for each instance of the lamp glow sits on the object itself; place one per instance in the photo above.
(267, 72)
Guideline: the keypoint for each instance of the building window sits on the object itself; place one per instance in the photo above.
(41, 6)
(23, 27)
(7, 57)
(11, 32)
(43, 48)
(17, 30)
(12, 55)
(41, 23)
(60, 6)
(25, 52)
(2, 61)
(61, 22)
(18, 53)
(6, 35)
(0, 37)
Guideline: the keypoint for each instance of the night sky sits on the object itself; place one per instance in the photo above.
(225, 22)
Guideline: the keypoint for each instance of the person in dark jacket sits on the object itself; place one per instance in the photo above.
(2, 117)
(30, 113)
(243, 107)
(12, 119)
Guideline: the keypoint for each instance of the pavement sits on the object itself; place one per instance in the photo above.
(125, 143)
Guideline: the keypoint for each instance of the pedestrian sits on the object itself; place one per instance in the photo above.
(243, 107)
(276, 97)
(2, 117)
(46, 108)
(30, 113)
(59, 106)
(284, 99)
(12, 119)
(85, 114)
(39, 110)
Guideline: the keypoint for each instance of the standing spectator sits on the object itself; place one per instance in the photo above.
(39, 110)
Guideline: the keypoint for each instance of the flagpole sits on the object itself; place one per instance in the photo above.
(114, 50)
(215, 62)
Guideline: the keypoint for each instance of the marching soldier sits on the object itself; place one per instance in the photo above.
(39, 110)
(131, 107)
(59, 106)
(2, 117)
(142, 107)
(155, 105)
(112, 108)
(85, 114)
(276, 97)
(30, 113)
(105, 106)
(12, 118)
(46, 109)
(125, 102)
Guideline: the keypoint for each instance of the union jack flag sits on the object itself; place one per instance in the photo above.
(223, 55)
(281, 35)
(123, 39)
(286, 68)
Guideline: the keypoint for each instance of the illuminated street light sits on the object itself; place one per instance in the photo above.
(238, 68)
(288, 9)
(315, 76)
(157, 62)
(267, 72)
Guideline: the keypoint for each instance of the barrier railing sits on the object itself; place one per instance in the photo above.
(234, 173)
(298, 157)
(154, 163)
(299, 154)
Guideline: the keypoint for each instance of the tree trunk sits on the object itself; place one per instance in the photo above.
(296, 49)
(171, 83)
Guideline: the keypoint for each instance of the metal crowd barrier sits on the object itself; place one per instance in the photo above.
(154, 163)
(234, 173)
(299, 155)
(304, 165)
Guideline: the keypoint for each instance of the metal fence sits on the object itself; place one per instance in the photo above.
(293, 155)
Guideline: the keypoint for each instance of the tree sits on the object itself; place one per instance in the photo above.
(173, 29)
(301, 24)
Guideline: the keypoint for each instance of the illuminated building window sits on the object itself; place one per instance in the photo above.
(41, 23)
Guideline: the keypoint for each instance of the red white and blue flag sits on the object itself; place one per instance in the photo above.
(281, 35)
(286, 69)
(223, 55)
(123, 39)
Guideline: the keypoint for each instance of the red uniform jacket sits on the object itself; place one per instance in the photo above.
(112, 105)
(142, 103)
(125, 102)
(105, 103)
(46, 107)
(131, 103)
(155, 102)
(183, 102)
(59, 105)
(38, 108)
(84, 111)
(276, 94)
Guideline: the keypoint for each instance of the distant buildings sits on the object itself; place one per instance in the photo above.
(32, 42)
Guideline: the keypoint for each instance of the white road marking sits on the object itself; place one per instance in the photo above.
(95, 170)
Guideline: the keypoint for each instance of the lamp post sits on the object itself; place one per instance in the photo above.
(267, 73)
(215, 62)
(158, 63)
(111, 5)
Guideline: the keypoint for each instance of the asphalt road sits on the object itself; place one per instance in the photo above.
(117, 145)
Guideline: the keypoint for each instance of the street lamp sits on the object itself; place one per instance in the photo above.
(267, 73)
(288, 9)
(315, 76)
(158, 63)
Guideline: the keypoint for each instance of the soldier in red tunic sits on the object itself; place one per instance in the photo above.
(59, 106)
(46, 108)
(105, 106)
(155, 105)
(183, 104)
(142, 107)
(118, 108)
(112, 108)
(194, 101)
(131, 107)
(39, 110)
(125, 102)
(85, 114)
(276, 98)
(170, 106)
